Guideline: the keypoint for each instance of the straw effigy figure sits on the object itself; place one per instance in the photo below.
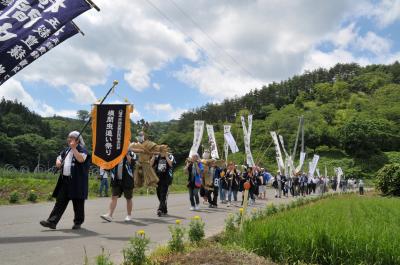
(144, 174)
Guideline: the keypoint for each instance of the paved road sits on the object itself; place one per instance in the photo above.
(23, 241)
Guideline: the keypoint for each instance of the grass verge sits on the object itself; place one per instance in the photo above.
(346, 229)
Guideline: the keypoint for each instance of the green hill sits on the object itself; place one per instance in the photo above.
(352, 119)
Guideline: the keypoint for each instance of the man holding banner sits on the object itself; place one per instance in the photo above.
(73, 182)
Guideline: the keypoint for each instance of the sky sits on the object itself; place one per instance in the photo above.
(171, 56)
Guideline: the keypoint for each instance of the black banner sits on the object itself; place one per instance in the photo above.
(111, 134)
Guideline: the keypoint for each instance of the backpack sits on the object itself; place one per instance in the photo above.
(197, 181)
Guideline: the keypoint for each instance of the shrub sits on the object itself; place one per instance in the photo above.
(176, 243)
(32, 196)
(103, 259)
(230, 224)
(50, 197)
(388, 180)
(135, 253)
(14, 197)
(196, 229)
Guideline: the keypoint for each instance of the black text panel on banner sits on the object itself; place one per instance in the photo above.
(111, 128)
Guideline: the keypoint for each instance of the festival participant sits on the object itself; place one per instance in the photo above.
(277, 184)
(361, 187)
(203, 191)
(212, 183)
(296, 184)
(262, 188)
(334, 183)
(285, 186)
(249, 178)
(72, 183)
(103, 182)
(122, 183)
(233, 181)
(303, 184)
(163, 165)
(194, 169)
(223, 186)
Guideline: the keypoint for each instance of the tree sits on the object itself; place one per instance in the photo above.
(83, 115)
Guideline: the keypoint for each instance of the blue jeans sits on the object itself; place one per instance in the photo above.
(234, 192)
(194, 196)
(103, 183)
(222, 195)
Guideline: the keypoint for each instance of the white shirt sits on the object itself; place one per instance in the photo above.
(103, 173)
(68, 162)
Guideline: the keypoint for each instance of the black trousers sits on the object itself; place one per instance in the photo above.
(214, 198)
(62, 203)
(162, 194)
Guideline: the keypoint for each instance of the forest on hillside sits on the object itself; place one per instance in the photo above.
(351, 114)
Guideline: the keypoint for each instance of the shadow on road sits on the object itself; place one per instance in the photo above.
(31, 239)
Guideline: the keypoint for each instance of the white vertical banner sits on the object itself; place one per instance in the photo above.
(227, 129)
(318, 174)
(283, 145)
(247, 137)
(212, 141)
(229, 140)
(198, 135)
(301, 163)
(326, 172)
(339, 174)
(313, 165)
(279, 158)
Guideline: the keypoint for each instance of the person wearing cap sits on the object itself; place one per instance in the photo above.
(72, 184)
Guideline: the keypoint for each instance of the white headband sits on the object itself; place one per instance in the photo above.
(76, 134)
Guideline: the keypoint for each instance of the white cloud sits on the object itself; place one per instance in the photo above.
(82, 94)
(164, 111)
(374, 43)
(386, 12)
(269, 41)
(13, 90)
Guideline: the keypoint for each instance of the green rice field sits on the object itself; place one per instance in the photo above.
(348, 229)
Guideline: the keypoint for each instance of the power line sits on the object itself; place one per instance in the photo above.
(211, 39)
(188, 36)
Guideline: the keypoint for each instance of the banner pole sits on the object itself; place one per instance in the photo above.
(115, 83)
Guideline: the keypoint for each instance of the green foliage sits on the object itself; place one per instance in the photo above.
(176, 243)
(196, 230)
(50, 197)
(348, 108)
(103, 258)
(388, 180)
(339, 230)
(14, 197)
(32, 196)
(230, 224)
(135, 253)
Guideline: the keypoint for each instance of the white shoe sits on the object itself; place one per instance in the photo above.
(197, 207)
(191, 208)
(128, 218)
(106, 217)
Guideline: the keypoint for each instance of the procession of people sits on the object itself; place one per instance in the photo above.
(218, 182)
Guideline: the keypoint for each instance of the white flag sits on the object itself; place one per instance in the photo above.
(198, 135)
(301, 163)
(229, 140)
(247, 137)
(279, 158)
(313, 165)
(212, 141)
